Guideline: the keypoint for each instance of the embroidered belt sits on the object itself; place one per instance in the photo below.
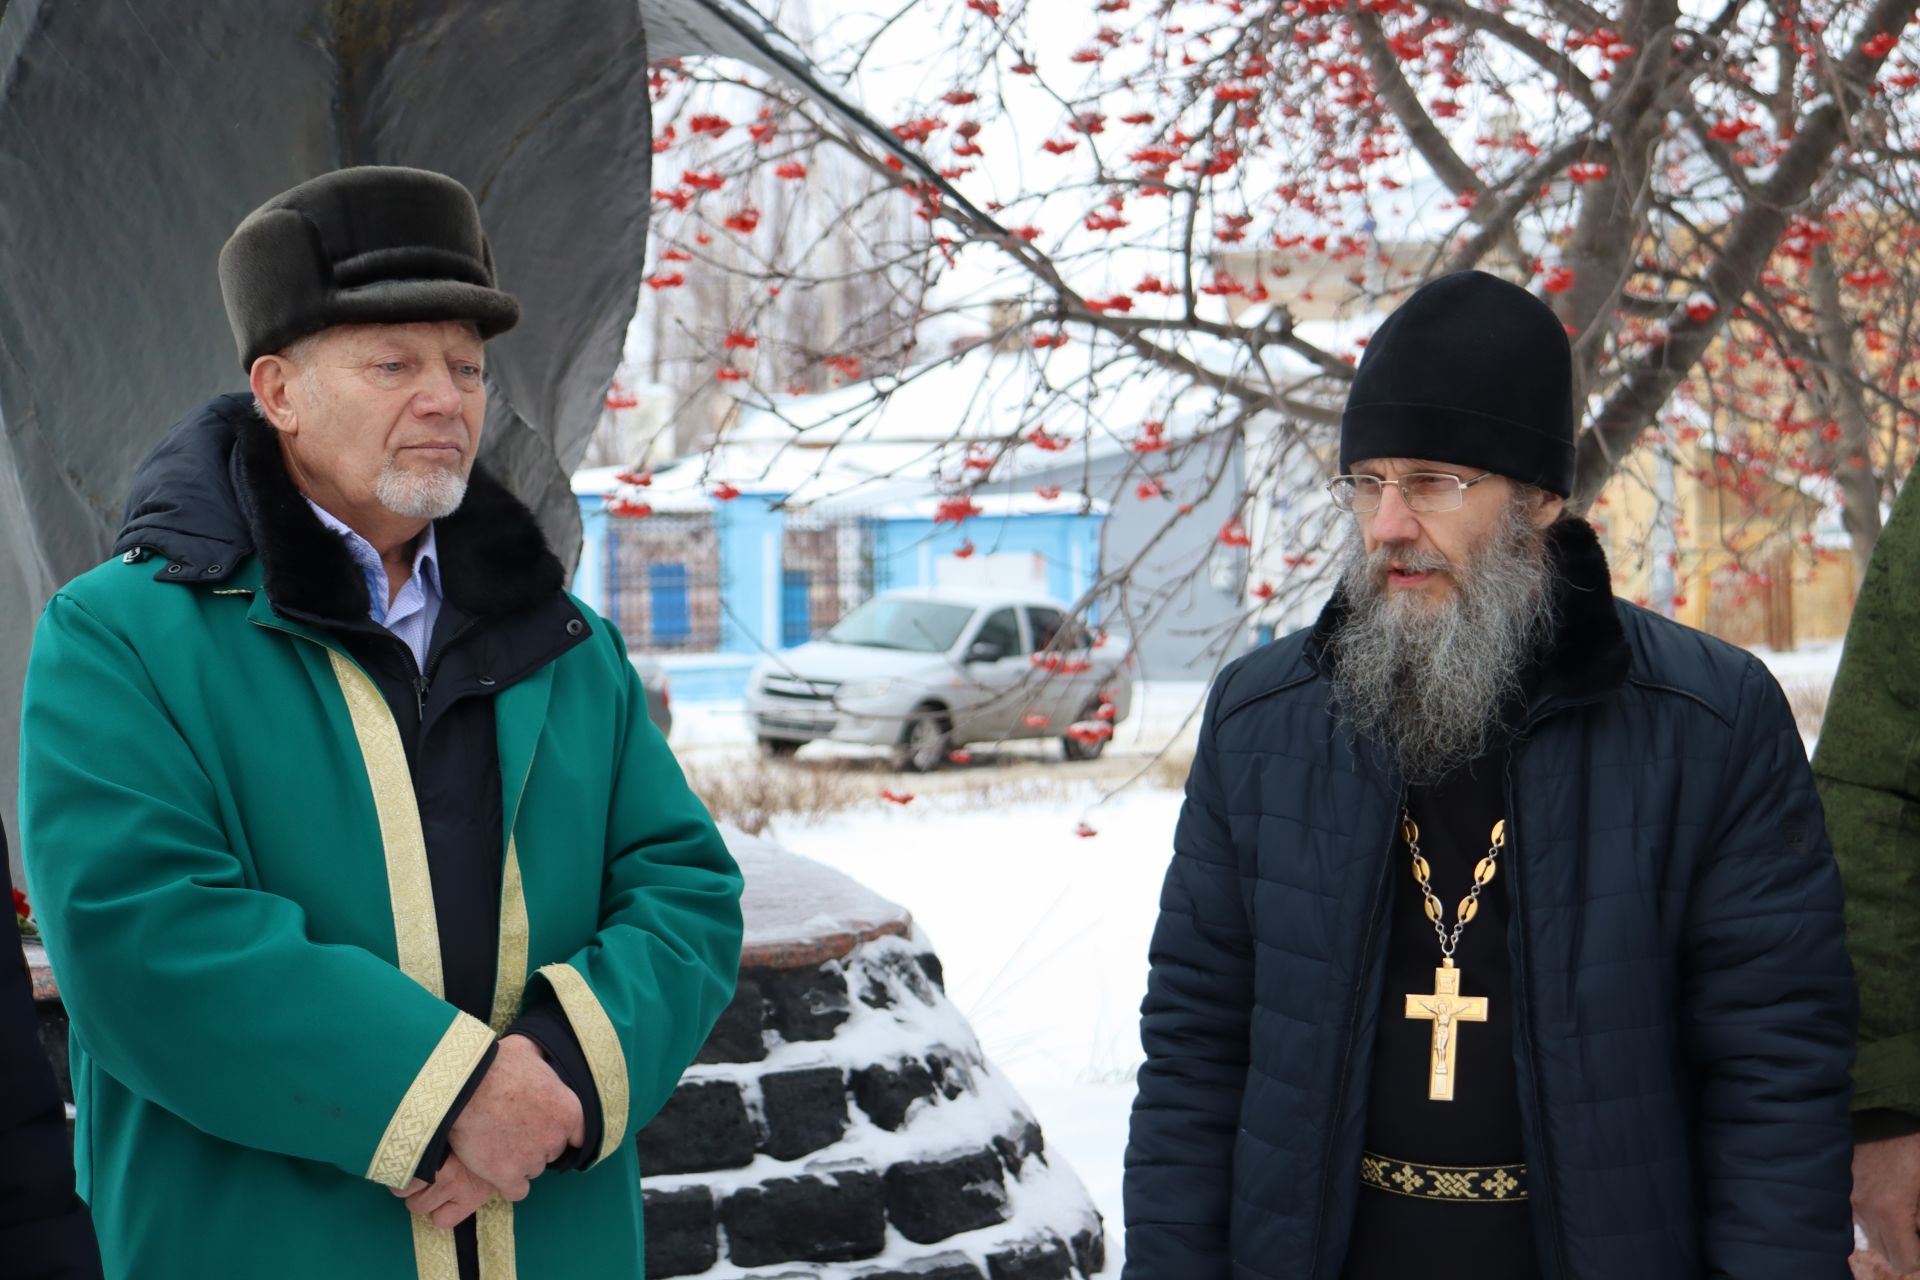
(1483, 1184)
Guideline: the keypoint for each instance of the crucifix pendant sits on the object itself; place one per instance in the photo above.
(1445, 1008)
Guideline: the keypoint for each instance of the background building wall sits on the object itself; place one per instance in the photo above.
(1182, 596)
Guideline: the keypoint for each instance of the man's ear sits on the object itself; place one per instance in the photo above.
(1551, 507)
(272, 381)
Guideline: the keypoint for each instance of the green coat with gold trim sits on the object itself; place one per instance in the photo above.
(226, 858)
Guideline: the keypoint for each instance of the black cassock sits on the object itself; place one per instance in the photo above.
(1396, 1235)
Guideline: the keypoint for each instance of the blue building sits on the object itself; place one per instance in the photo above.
(707, 584)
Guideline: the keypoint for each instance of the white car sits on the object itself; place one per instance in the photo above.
(924, 672)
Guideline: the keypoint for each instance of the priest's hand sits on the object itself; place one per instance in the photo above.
(521, 1117)
(453, 1196)
(1886, 1199)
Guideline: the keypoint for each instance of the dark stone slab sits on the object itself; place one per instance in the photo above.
(1089, 1250)
(875, 993)
(703, 1126)
(885, 1093)
(804, 1110)
(1015, 1148)
(929, 1200)
(951, 1076)
(946, 1267)
(1046, 1260)
(53, 1039)
(682, 1231)
(836, 1218)
(935, 971)
(740, 1033)
(806, 1004)
(893, 977)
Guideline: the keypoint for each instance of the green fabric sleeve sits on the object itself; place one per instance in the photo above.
(1867, 765)
(183, 981)
(644, 993)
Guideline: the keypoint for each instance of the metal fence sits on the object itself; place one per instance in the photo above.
(826, 569)
(664, 579)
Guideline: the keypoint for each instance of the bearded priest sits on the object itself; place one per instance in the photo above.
(1502, 938)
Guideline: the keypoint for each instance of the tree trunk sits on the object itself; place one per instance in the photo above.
(1751, 235)
(1840, 393)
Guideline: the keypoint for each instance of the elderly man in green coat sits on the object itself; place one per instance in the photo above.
(382, 913)
(1868, 769)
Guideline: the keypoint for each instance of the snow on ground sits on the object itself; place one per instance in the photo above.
(1043, 935)
(1814, 662)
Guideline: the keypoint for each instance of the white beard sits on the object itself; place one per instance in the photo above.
(429, 494)
(1428, 681)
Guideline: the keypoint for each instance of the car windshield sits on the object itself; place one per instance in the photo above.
(921, 626)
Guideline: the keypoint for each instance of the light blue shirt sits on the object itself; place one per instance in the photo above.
(417, 607)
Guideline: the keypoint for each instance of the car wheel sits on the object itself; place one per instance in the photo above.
(1074, 749)
(780, 748)
(924, 742)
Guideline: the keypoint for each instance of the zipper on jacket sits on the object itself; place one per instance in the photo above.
(1353, 1022)
(423, 680)
(1524, 1020)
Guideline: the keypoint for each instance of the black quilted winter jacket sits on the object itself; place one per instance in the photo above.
(1686, 1010)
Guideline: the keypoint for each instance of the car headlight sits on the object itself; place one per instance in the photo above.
(859, 690)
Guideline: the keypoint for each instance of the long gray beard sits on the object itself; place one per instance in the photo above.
(430, 494)
(1431, 682)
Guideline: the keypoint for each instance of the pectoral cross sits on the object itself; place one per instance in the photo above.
(1445, 1007)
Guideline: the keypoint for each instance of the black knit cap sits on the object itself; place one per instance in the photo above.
(369, 245)
(1470, 370)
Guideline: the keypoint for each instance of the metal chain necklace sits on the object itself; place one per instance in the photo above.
(1445, 1006)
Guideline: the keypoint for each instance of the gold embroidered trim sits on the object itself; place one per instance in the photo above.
(417, 948)
(416, 934)
(425, 1103)
(435, 1257)
(598, 1040)
(510, 972)
(1483, 1184)
(494, 1225)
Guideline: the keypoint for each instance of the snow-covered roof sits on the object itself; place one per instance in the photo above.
(982, 424)
(683, 489)
(1021, 502)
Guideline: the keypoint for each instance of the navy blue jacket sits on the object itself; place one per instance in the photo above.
(1686, 1010)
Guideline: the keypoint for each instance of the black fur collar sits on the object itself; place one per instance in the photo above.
(493, 558)
(1588, 653)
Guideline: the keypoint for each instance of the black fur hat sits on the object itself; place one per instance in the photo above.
(1470, 370)
(369, 245)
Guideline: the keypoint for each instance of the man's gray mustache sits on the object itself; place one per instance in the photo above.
(1388, 557)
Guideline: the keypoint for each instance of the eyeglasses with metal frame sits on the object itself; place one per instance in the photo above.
(1424, 491)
